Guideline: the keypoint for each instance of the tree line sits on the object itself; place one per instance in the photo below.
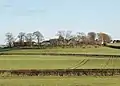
(65, 38)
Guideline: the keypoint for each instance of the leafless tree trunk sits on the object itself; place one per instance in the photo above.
(39, 37)
(21, 37)
(29, 38)
(10, 39)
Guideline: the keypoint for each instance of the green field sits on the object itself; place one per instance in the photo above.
(100, 50)
(61, 81)
(10, 62)
(56, 62)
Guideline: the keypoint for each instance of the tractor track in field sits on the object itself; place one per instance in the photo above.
(80, 64)
(108, 62)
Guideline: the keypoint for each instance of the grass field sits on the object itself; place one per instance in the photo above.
(60, 62)
(56, 62)
(100, 50)
(61, 81)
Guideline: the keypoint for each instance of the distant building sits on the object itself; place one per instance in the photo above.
(45, 43)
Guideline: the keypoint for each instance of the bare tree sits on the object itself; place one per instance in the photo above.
(73, 41)
(64, 34)
(104, 38)
(21, 37)
(61, 37)
(61, 33)
(64, 37)
(91, 37)
(68, 35)
(10, 39)
(39, 37)
(81, 37)
(29, 38)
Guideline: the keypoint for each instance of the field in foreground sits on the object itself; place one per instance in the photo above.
(100, 50)
(56, 62)
(61, 81)
(11, 62)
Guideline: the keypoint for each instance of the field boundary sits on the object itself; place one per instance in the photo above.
(63, 54)
(63, 72)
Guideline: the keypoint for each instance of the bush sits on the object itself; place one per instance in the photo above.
(6, 74)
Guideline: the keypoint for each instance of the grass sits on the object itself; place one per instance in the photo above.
(59, 62)
(100, 50)
(55, 62)
(61, 81)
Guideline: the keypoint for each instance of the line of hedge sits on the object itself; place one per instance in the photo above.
(62, 54)
(64, 72)
(113, 46)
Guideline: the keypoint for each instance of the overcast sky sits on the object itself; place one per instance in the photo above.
(49, 16)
